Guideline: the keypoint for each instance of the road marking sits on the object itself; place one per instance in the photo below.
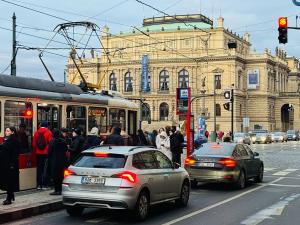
(285, 185)
(273, 210)
(284, 172)
(269, 169)
(295, 178)
(220, 203)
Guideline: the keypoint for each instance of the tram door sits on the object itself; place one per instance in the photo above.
(132, 125)
(49, 113)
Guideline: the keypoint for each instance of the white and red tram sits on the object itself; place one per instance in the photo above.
(25, 102)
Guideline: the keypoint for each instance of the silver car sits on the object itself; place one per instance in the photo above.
(123, 177)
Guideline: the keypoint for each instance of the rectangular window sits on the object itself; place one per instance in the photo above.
(98, 118)
(49, 113)
(218, 82)
(76, 117)
(19, 115)
(117, 118)
(111, 161)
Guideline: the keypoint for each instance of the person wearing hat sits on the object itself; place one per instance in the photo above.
(76, 146)
(41, 140)
(92, 139)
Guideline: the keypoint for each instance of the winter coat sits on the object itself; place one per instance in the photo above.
(163, 144)
(91, 141)
(48, 137)
(76, 147)
(57, 158)
(176, 141)
(115, 139)
(9, 164)
(142, 140)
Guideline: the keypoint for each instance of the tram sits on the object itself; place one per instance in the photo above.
(26, 102)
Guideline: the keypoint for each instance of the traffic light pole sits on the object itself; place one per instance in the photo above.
(232, 100)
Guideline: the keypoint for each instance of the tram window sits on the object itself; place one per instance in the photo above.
(98, 118)
(49, 113)
(117, 118)
(76, 117)
(19, 115)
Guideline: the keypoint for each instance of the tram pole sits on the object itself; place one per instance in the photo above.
(13, 66)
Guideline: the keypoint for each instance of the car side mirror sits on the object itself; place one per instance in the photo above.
(176, 165)
(256, 154)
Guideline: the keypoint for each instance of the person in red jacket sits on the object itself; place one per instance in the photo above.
(41, 140)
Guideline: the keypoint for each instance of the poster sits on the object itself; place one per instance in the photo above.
(253, 79)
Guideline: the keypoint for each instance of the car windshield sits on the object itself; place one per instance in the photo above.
(261, 134)
(111, 161)
(278, 133)
(215, 149)
(239, 134)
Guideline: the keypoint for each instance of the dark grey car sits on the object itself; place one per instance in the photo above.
(224, 162)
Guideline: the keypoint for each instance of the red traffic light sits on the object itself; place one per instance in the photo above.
(282, 22)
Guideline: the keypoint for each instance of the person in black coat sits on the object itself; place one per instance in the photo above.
(9, 165)
(176, 141)
(115, 138)
(57, 160)
(77, 144)
(92, 139)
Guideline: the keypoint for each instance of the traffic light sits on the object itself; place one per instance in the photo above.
(282, 29)
(227, 95)
(227, 106)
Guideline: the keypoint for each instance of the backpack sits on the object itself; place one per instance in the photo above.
(41, 142)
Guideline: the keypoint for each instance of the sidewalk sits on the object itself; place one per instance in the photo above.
(29, 203)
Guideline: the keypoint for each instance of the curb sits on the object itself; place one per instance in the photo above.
(30, 211)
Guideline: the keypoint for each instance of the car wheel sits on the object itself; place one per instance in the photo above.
(74, 211)
(241, 182)
(142, 206)
(184, 195)
(260, 176)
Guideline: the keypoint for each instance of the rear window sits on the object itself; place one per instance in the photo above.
(111, 161)
(291, 132)
(215, 149)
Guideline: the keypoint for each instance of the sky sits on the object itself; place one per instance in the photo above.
(257, 17)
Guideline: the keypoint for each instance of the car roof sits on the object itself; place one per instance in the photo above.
(124, 150)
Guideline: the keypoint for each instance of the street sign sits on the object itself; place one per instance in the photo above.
(182, 100)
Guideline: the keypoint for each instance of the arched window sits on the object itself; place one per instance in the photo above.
(112, 82)
(183, 79)
(164, 80)
(163, 111)
(128, 82)
(218, 110)
(146, 112)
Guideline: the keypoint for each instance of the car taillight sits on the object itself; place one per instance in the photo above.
(68, 172)
(189, 161)
(126, 175)
(101, 154)
(228, 162)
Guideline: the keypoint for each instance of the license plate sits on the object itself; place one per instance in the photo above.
(207, 164)
(93, 180)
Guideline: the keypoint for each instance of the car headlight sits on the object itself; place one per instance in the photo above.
(281, 138)
(294, 136)
(263, 138)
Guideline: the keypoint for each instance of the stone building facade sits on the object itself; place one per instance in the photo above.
(189, 51)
